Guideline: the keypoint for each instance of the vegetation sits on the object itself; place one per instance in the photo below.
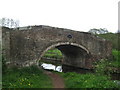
(100, 79)
(98, 31)
(113, 38)
(29, 77)
(8, 22)
(54, 53)
(105, 66)
(116, 58)
(74, 80)
(32, 77)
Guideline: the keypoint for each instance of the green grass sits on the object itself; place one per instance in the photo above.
(116, 58)
(34, 78)
(53, 53)
(96, 80)
(29, 77)
(74, 80)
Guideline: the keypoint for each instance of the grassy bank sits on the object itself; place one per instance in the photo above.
(32, 77)
(99, 79)
(29, 77)
(53, 53)
(74, 80)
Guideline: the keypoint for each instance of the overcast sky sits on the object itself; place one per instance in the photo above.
(80, 15)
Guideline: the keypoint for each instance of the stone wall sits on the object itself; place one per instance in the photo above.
(6, 43)
(27, 45)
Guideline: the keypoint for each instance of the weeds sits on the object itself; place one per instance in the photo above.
(116, 58)
(29, 77)
(74, 80)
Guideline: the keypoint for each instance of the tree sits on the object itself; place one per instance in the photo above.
(98, 31)
(7, 22)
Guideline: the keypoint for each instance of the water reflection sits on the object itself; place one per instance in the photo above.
(51, 67)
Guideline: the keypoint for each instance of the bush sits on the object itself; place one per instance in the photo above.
(105, 66)
(100, 67)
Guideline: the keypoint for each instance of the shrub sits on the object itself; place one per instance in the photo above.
(100, 67)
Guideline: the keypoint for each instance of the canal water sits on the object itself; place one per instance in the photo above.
(64, 68)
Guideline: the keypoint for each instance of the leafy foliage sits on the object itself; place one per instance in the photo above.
(100, 67)
(105, 66)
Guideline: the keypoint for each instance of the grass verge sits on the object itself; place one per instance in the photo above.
(29, 77)
(116, 56)
(74, 80)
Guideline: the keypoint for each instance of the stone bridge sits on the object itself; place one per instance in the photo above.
(25, 46)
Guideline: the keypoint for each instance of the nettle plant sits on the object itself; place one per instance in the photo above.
(101, 67)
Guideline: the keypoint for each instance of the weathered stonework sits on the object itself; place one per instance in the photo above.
(27, 45)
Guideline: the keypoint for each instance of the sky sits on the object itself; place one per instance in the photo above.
(80, 15)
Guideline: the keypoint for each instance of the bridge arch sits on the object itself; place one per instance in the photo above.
(72, 52)
(26, 46)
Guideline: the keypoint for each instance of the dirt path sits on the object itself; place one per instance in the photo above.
(57, 81)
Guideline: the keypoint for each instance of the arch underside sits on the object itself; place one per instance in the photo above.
(74, 54)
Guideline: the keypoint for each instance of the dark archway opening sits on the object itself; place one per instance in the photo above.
(52, 60)
(71, 55)
(72, 52)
